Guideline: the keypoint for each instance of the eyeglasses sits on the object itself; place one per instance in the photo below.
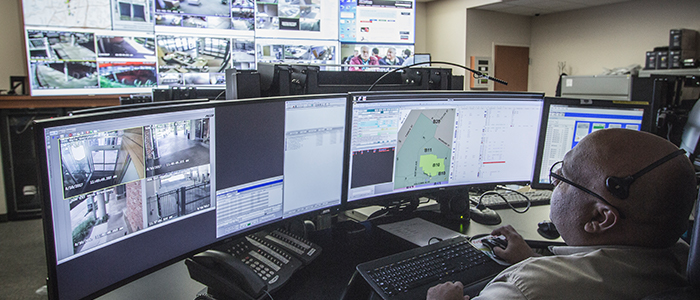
(555, 177)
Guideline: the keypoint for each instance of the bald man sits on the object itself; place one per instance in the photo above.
(622, 240)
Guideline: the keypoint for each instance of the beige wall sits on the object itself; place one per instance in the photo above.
(588, 40)
(12, 62)
(486, 29)
(612, 36)
(421, 30)
(12, 46)
(446, 25)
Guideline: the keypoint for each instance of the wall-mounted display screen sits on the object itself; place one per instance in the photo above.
(87, 47)
(372, 21)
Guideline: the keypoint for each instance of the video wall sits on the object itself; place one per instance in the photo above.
(86, 47)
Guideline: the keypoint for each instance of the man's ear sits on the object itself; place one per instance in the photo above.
(604, 218)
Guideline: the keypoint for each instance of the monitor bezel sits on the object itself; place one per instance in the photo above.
(578, 102)
(432, 193)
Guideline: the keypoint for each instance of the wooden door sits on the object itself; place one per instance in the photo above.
(511, 64)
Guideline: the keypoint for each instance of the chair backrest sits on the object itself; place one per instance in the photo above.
(690, 139)
(693, 271)
(692, 291)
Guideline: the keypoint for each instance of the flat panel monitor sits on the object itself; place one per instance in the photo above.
(565, 121)
(404, 143)
(129, 192)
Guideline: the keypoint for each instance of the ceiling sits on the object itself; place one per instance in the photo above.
(543, 7)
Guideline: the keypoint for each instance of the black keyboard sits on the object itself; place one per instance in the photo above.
(409, 274)
(537, 197)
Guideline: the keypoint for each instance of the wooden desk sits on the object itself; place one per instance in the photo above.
(9, 102)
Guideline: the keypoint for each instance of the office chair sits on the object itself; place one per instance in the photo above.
(690, 138)
(692, 291)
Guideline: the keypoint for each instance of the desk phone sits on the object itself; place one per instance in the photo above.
(250, 266)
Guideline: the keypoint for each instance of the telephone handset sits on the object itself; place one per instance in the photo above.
(226, 276)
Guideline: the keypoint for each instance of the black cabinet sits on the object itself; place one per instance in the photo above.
(19, 160)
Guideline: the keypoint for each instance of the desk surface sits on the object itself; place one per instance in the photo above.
(58, 101)
(328, 275)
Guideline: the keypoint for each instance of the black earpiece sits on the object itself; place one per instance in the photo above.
(620, 186)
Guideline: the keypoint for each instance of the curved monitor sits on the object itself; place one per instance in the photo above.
(565, 121)
(128, 192)
(406, 143)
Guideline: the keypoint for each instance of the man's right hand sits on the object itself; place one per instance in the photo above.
(517, 250)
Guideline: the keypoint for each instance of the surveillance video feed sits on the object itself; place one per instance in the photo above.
(126, 47)
(127, 74)
(92, 162)
(63, 75)
(243, 53)
(281, 51)
(299, 15)
(61, 45)
(191, 55)
(106, 215)
(164, 193)
(176, 146)
(194, 13)
(133, 15)
(243, 15)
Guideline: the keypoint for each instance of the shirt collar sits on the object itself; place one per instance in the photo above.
(568, 250)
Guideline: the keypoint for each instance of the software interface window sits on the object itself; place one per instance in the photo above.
(299, 169)
(422, 143)
(567, 125)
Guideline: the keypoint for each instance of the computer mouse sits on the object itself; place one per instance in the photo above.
(484, 216)
(495, 242)
(547, 230)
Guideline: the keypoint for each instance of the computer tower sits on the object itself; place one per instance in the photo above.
(683, 39)
(677, 57)
(20, 161)
(661, 60)
(650, 62)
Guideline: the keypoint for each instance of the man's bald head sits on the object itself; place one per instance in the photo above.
(659, 201)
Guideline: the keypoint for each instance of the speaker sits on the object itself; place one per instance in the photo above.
(242, 84)
(454, 205)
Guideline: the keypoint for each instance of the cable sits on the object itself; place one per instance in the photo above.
(26, 126)
(434, 238)
(219, 95)
(494, 192)
(476, 73)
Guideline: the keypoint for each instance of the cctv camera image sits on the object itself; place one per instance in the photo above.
(204, 55)
(176, 146)
(94, 161)
(105, 215)
(61, 45)
(194, 13)
(177, 194)
(127, 74)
